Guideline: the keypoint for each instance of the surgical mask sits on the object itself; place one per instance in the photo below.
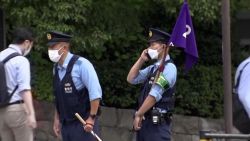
(54, 55)
(153, 54)
(27, 51)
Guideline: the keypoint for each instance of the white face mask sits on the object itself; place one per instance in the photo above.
(153, 53)
(54, 55)
(27, 51)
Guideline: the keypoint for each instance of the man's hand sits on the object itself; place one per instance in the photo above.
(31, 121)
(144, 55)
(56, 127)
(137, 121)
(89, 124)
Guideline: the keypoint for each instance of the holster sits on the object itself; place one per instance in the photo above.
(158, 118)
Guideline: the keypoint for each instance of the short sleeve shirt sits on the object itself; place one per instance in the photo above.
(17, 72)
(83, 75)
(169, 73)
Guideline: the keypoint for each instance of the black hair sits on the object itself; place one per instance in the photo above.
(21, 34)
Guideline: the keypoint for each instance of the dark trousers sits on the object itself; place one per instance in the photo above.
(151, 132)
(74, 131)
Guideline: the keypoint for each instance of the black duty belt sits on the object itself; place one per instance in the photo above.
(163, 115)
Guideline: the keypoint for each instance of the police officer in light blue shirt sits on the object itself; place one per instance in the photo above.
(169, 73)
(76, 90)
(152, 121)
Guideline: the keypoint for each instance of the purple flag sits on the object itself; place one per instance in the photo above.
(183, 36)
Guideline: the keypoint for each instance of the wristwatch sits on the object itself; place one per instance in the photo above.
(93, 116)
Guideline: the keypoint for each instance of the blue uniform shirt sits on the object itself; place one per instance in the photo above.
(169, 73)
(17, 72)
(83, 75)
(243, 89)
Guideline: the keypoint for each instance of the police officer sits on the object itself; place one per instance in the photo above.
(17, 118)
(152, 120)
(76, 90)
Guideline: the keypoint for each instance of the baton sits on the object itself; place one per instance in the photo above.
(84, 123)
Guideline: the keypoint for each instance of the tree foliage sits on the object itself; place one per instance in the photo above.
(112, 34)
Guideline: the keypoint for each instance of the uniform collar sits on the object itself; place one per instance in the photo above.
(66, 61)
(16, 47)
(159, 61)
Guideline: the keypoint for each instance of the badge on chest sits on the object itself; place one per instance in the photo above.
(67, 88)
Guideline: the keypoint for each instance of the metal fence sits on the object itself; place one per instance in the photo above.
(209, 136)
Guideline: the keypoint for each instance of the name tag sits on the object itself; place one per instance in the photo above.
(68, 88)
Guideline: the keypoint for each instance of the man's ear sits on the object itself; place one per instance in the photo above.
(26, 41)
(64, 48)
(164, 45)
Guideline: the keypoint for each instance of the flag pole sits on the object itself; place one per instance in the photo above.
(226, 55)
(162, 64)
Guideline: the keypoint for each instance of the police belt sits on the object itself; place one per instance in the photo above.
(72, 120)
(165, 115)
